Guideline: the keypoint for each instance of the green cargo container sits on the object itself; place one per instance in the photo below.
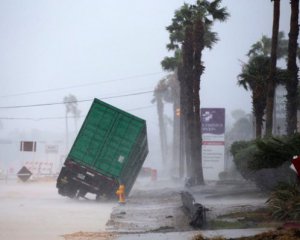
(109, 150)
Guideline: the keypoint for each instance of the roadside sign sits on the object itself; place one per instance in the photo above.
(27, 146)
(51, 148)
(213, 142)
(24, 174)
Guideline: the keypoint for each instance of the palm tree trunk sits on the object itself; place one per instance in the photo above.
(181, 149)
(162, 130)
(182, 153)
(188, 95)
(271, 79)
(259, 104)
(292, 82)
(258, 125)
(185, 143)
(198, 45)
(176, 123)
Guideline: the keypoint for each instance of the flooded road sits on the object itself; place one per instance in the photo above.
(35, 211)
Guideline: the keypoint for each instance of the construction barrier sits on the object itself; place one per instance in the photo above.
(149, 172)
(39, 167)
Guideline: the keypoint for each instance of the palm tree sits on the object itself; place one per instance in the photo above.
(176, 31)
(174, 64)
(292, 81)
(159, 93)
(190, 31)
(205, 15)
(254, 78)
(263, 47)
(70, 102)
(271, 78)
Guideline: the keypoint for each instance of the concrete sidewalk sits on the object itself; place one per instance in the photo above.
(155, 211)
(222, 199)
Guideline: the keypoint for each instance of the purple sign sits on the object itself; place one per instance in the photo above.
(213, 120)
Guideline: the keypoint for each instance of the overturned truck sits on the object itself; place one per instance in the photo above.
(109, 150)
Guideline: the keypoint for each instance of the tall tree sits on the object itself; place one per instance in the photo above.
(205, 15)
(254, 78)
(70, 102)
(188, 108)
(174, 64)
(190, 29)
(255, 75)
(159, 93)
(292, 81)
(174, 98)
(177, 30)
(271, 78)
(264, 45)
(263, 48)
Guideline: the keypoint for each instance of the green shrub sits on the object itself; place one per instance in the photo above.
(243, 153)
(284, 202)
(273, 152)
(267, 153)
(266, 162)
(238, 146)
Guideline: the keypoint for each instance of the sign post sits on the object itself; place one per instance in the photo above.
(24, 174)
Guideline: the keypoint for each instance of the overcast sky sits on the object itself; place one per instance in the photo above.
(52, 48)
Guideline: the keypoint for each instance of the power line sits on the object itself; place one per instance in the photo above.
(78, 101)
(80, 85)
(69, 117)
(136, 109)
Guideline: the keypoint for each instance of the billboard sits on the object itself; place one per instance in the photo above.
(213, 142)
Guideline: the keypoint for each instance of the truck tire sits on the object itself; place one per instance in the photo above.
(61, 192)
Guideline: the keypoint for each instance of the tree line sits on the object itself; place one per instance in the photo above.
(261, 75)
(190, 32)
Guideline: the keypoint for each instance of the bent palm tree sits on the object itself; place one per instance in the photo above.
(254, 78)
(263, 47)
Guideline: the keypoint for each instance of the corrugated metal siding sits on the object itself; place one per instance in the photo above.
(112, 142)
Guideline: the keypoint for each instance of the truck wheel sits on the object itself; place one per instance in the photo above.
(72, 193)
(68, 191)
(99, 197)
(81, 193)
(61, 192)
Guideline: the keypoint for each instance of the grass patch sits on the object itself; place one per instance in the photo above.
(291, 234)
(259, 218)
(258, 215)
(221, 224)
